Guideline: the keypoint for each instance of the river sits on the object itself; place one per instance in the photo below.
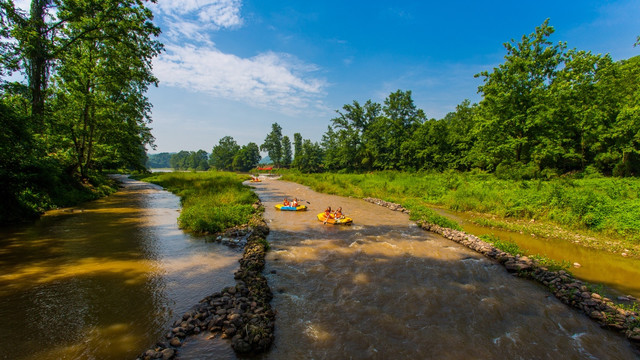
(383, 288)
(104, 280)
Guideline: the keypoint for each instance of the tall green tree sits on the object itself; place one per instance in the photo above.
(247, 157)
(513, 111)
(222, 154)
(576, 113)
(286, 151)
(311, 158)
(105, 75)
(297, 148)
(351, 127)
(618, 149)
(386, 134)
(273, 144)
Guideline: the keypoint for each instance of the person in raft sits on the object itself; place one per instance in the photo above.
(338, 214)
(327, 214)
(286, 202)
(294, 203)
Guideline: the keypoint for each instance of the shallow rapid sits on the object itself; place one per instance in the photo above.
(383, 288)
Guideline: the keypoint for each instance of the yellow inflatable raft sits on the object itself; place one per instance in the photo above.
(291, 208)
(344, 220)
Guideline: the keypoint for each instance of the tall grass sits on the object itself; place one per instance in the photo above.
(211, 201)
(607, 205)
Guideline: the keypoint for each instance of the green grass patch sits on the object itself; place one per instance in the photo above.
(211, 201)
(506, 246)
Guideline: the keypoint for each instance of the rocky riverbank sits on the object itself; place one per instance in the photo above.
(562, 284)
(241, 313)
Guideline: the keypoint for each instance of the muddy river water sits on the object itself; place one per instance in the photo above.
(383, 288)
(106, 280)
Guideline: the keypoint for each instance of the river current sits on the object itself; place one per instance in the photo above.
(107, 279)
(383, 288)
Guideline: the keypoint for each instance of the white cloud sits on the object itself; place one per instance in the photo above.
(268, 80)
(194, 19)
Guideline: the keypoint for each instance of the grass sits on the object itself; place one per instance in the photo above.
(211, 201)
(605, 207)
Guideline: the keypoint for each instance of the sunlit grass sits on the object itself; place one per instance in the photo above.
(610, 206)
(211, 201)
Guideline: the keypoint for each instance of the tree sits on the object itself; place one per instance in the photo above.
(247, 157)
(618, 146)
(385, 135)
(352, 125)
(515, 97)
(222, 154)
(311, 157)
(273, 144)
(179, 161)
(286, 151)
(297, 147)
(576, 114)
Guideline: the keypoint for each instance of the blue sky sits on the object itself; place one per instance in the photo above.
(234, 67)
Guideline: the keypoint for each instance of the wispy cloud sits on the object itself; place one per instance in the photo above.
(269, 80)
(192, 61)
(194, 19)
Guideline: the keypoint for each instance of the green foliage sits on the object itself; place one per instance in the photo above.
(544, 112)
(189, 160)
(247, 157)
(157, 161)
(552, 265)
(504, 245)
(273, 144)
(82, 109)
(211, 201)
(286, 151)
(223, 154)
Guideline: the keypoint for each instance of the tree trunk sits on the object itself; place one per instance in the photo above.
(37, 59)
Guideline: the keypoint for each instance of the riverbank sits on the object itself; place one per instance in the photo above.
(53, 191)
(601, 213)
(624, 318)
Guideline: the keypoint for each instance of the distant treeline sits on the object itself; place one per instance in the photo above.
(227, 155)
(160, 160)
(545, 111)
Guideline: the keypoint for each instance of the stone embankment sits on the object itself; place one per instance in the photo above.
(562, 284)
(241, 313)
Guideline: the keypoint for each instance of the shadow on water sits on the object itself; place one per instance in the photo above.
(384, 288)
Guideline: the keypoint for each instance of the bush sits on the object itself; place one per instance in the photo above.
(211, 201)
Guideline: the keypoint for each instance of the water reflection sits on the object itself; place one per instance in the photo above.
(104, 280)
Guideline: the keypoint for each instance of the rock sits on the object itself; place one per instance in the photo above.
(624, 254)
(576, 265)
(175, 342)
(240, 345)
(168, 354)
(230, 331)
